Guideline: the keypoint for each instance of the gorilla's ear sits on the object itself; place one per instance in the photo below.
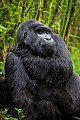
(21, 35)
(25, 35)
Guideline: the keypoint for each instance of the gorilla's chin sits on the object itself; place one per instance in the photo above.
(48, 52)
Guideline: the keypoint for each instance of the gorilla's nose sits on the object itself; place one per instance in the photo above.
(47, 38)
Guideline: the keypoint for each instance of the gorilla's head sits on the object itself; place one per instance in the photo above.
(38, 37)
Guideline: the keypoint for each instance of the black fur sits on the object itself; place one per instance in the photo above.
(39, 75)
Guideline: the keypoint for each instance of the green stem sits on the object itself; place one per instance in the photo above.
(66, 18)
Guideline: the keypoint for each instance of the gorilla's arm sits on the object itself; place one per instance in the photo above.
(52, 71)
(69, 97)
(20, 88)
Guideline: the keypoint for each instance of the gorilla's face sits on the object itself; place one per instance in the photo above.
(38, 37)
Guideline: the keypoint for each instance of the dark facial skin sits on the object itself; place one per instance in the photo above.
(46, 42)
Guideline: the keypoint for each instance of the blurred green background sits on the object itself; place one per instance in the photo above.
(63, 16)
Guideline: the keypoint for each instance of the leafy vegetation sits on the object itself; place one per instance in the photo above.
(5, 116)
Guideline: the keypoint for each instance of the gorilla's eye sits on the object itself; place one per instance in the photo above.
(40, 32)
(25, 35)
(47, 32)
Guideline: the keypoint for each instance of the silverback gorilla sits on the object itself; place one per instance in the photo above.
(39, 75)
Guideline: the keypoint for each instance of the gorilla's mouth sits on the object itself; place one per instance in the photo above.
(47, 44)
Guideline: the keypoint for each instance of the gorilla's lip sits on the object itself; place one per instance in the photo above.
(50, 44)
(45, 45)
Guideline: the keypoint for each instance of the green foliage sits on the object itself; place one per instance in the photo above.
(20, 113)
(1, 66)
(5, 116)
(76, 118)
(76, 59)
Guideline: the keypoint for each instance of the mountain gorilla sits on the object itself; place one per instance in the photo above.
(39, 75)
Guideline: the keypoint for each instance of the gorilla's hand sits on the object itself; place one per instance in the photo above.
(50, 71)
(32, 86)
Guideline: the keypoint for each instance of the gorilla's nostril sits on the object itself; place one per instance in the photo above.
(47, 38)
